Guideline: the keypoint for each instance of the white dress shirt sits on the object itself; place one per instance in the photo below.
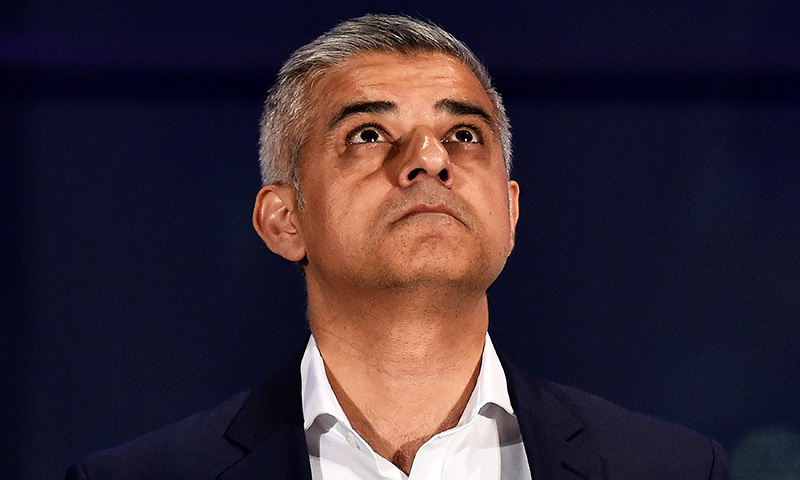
(485, 444)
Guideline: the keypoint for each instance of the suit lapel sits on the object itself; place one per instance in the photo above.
(269, 428)
(555, 439)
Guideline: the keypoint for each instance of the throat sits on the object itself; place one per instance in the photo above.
(396, 425)
(401, 376)
(401, 447)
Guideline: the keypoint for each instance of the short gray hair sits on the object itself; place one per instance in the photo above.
(288, 113)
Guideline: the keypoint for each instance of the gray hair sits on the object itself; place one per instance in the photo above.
(288, 114)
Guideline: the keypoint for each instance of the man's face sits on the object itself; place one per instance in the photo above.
(403, 177)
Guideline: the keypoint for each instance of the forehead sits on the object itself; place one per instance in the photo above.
(412, 80)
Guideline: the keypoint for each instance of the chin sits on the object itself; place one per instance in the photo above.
(445, 275)
(455, 261)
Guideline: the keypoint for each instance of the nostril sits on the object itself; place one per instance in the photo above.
(443, 174)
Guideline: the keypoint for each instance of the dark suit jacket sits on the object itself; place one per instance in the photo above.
(258, 435)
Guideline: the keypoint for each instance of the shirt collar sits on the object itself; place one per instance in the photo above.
(318, 397)
(317, 394)
(491, 387)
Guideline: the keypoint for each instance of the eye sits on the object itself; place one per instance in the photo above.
(463, 134)
(366, 134)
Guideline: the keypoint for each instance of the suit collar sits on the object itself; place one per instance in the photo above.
(269, 428)
(555, 437)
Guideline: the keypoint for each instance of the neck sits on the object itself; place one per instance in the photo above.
(402, 364)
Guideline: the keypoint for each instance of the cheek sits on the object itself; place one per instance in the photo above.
(487, 191)
(345, 212)
(492, 206)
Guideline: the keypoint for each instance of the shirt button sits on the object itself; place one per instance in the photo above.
(351, 439)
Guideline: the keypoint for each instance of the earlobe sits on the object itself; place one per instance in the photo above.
(274, 219)
(513, 209)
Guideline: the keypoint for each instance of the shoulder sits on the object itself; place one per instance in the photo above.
(222, 440)
(194, 447)
(564, 428)
(636, 445)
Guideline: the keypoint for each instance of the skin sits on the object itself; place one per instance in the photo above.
(408, 218)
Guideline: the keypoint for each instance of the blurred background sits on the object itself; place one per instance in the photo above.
(658, 253)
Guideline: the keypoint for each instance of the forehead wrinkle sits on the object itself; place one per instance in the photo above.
(355, 108)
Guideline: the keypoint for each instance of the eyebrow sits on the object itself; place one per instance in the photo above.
(361, 107)
(454, 107)
(459, 108)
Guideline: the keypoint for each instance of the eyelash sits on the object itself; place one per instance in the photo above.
(475, 130)
(352, 135)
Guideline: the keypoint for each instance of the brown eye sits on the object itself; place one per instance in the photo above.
(366, 135)
(463, 135)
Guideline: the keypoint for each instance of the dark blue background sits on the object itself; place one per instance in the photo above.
(658, 253)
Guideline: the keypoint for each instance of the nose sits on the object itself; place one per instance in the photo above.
(425, 155)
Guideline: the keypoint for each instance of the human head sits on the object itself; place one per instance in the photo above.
(288, 110)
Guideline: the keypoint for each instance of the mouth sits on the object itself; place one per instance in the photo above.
(425, 209)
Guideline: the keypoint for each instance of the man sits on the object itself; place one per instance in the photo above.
(385, 155)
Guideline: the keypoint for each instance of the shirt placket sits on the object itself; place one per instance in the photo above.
(382, 468)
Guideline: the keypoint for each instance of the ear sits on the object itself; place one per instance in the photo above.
(513, 209)
(275, 220)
